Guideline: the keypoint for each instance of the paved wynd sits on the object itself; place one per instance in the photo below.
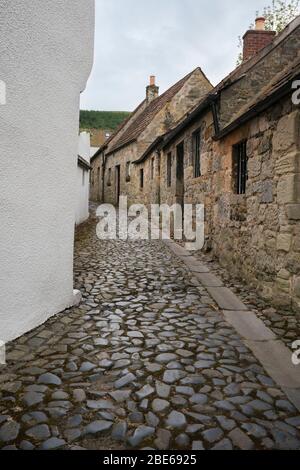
(146, 361)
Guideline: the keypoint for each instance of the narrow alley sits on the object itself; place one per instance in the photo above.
(147, 361)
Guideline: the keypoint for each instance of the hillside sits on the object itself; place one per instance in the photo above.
(102, 119)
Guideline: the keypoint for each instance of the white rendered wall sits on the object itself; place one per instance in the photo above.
(46, 55)
(83, 180)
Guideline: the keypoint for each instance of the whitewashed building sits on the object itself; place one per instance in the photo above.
(83, 178)
(46, 55)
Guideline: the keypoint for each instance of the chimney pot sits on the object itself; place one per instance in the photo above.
(152, 91)
(152, 80)
(260, 23)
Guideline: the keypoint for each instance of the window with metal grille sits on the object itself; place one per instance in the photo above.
(240, 167)
(142, 179)
(169, 169)
(197, 153)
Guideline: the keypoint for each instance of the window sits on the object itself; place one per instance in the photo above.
(197, 153)
(109, 177)
(142, 179)
(169, 169)
(180, 162)
(152, 168)
(240, 164)
(128, 170)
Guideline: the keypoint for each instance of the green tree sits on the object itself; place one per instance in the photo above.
(278, 15)
(108, 120)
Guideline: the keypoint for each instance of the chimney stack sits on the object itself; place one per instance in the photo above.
(256, 39)
(152, 90)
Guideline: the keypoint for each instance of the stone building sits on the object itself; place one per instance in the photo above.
(113, 172)
(238, 153)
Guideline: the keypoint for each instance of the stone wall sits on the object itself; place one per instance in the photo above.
(256, 235)
(121, 158)
(188, 96)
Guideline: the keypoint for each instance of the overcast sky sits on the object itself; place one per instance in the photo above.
(167, 38)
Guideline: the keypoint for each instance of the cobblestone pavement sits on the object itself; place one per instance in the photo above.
(146, 361)
(284, 323)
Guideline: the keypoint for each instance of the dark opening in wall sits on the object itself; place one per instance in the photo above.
(197, 153)
(142, 179)
(240, 167)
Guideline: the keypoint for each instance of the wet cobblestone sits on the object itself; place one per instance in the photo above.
(146, 361)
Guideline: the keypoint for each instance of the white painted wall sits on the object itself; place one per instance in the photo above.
(83, 179)
(46, 55)
(93, 151)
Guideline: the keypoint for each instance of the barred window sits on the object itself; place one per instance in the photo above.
(240, 167)
(197, 153)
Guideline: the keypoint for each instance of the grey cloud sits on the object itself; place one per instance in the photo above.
(168, 38)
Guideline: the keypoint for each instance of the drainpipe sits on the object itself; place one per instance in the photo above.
(215, 114)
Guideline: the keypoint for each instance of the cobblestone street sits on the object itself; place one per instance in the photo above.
(146, 361)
